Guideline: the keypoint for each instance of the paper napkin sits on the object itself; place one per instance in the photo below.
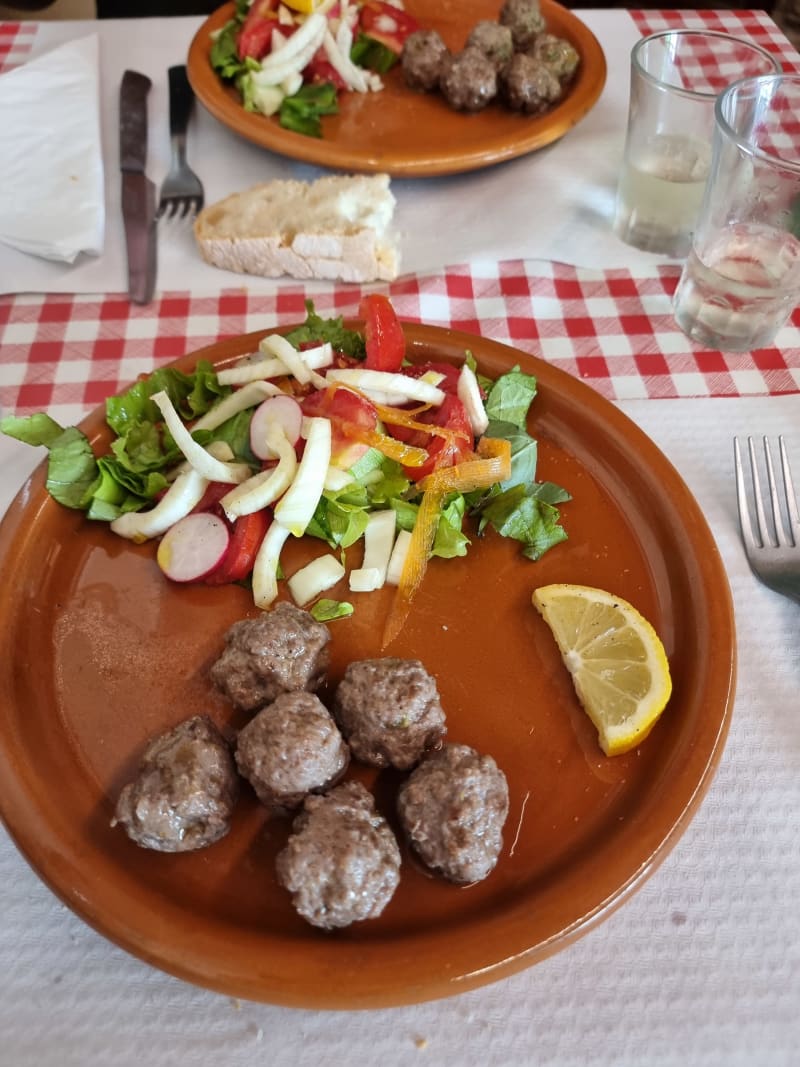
(52, 200)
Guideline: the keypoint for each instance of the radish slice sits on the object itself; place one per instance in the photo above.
(193, 547)
(264, 488)
(282, 411)
(202, 461)
(186, 491)
(300, 501)
(253, 393)
(265, 567)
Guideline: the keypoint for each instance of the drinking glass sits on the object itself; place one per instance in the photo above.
(676, 77)
(742, 278)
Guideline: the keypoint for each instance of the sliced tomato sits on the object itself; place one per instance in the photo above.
(442, 451)
(246, 537)
(383, 335)
(448, 384)
(344, 410)
(386, 23)
(320, 69)
(255, 36)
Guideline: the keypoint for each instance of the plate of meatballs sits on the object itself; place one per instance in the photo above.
(483, 81)
(282, 809)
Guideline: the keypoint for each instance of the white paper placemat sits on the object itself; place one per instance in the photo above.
(554, 204)
(701, 968)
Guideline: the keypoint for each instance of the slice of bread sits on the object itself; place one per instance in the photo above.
(336, 227)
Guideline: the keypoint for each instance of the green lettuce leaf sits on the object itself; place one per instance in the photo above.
(528, 514)
(303, 111)
(510, 398)
(325, 610)
(315, 328)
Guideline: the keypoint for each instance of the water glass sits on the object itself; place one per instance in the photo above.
(742, 278)
(676, 77)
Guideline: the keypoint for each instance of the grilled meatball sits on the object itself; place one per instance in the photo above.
(530, 85)
(495, 41)
(524, 19)
(342, 862)
(281, 651)
(469, 80)
(556, 53)
(389, 711)
(423, 53)
(290, 749)
(184, 792)
(452, 807)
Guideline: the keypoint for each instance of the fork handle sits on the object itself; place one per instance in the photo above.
(181, 101)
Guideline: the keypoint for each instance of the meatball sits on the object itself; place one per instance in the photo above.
(557, 54)
(524, 19)
(452, 808)
(184, 792)
(342, 862)
(469, 80)
(423, 54)
(281, 651)
(389, 711)
(530, 85)
(495, 41)
(290, 749)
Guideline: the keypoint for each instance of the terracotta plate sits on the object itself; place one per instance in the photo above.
(406, 133)
(100, 653)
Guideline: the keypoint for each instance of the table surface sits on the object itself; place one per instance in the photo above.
(702, 965)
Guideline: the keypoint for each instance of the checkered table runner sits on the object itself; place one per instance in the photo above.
(612, 329)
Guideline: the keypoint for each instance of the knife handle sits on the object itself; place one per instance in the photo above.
(181, 101)
(133, 121)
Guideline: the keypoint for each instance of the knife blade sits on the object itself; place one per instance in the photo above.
(138, 192)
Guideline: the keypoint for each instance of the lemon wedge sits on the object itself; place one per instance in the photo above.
(616, 659)
(306, 7)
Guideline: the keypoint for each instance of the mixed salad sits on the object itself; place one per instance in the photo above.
(326, 432)
(291, 58)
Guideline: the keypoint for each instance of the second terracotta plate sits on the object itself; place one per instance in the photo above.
(100, 653)
(404, 133)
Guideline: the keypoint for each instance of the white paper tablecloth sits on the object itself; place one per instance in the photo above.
(554, 204)
(701, 968)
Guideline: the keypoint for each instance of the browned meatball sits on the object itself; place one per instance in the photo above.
(423, 53)
(524, 19)
(495, 41)
(452, 807)
(469, 80)
(389, 711)
(184, 792)
(281, 651)
(557, 54)
(530, 85)
(342, 862)
(290, 749)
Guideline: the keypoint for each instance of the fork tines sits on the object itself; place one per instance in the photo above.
(778, 528)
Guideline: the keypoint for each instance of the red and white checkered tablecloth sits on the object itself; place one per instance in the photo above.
(613, 329)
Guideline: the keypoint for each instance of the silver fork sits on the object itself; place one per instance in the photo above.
(771, 532)
(182, 192)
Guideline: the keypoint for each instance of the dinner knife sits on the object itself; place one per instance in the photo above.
(138, 192)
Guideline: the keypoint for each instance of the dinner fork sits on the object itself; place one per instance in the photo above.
(772, 541)
(182, 191)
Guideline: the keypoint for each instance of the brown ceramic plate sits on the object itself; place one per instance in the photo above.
(404, 133)
(100, 653)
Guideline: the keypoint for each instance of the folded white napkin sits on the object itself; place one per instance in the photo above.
(52, 201)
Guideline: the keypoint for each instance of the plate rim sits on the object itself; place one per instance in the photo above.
(266, 133)
(15, 809)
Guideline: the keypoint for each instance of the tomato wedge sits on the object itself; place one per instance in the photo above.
(255, 36)
(442, 451)
(246, 537)
(388, 24)
(345, 410)
(383, 335)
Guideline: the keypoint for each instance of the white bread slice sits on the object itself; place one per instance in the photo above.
(336, 227)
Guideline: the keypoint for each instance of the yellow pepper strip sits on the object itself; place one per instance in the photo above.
(393, 416)
(492, 464)
(408, 455)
